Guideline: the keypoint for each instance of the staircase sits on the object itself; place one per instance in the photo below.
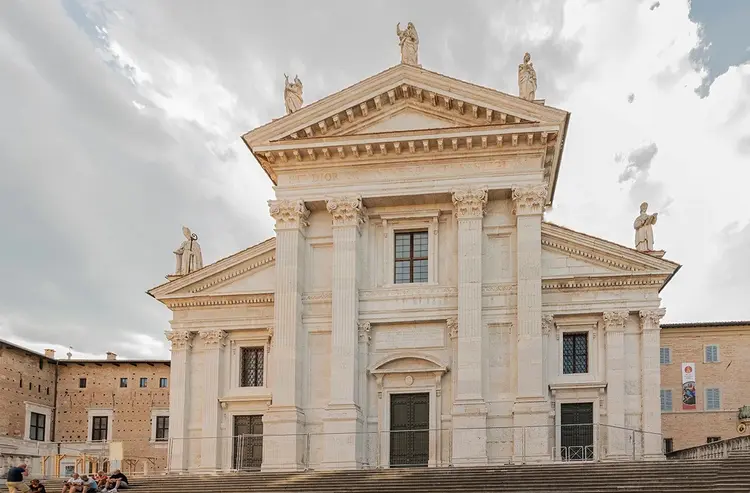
(720, 475)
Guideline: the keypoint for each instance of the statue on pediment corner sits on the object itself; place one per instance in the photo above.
(644, 231)
(408, 40)
(188, 257)
(292, 94)
(527, 79)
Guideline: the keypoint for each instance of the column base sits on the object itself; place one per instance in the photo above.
(284, 439)
(469, 433)
(532, 432)
(344, 438)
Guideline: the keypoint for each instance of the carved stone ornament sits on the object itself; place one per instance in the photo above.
(452, 324)
(289, 214)
(615, 320)
(408, 40)
(644, 229)
(188, 256)
(180, 339)
(548, 324)
(214, 337)
(527, 79)
(346, 211)
(292, 94)
(650, 319)
(470, 203)
(529, 199)
(364, 332)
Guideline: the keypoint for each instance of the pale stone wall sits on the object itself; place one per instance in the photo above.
(687, 344)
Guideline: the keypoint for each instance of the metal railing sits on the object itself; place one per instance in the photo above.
(714, 450)
(412, 448)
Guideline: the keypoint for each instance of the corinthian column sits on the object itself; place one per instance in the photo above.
(284, 446)
(614, 327)
(179, 388)
(213, 343)
(469, 407)
(343, 421)
(651, 381)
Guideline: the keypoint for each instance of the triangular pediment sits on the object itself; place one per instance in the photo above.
(404, 118)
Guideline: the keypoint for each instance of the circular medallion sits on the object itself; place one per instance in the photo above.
(409, 380)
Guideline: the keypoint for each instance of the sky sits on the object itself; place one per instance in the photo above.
(121, 121)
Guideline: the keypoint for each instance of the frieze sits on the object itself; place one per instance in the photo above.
(412, 292)
(223, 300)
(322, 296)
(499, 288)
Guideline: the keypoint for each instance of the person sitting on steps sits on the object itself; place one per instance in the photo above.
(116, 481)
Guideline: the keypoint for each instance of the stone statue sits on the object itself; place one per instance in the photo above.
(408, 40)
(292, 94)
(644, 231)
(527, 79)
(188, 256)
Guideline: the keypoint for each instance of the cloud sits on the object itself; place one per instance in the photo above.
(743, 145)
(654, 5)
(631, 97)
(639, 162)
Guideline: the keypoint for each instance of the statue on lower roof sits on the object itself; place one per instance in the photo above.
(292, 94)
(644, 231)
(408, 40)
(527, 79)
(188, 257)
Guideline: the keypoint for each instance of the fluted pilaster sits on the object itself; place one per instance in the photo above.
(181, 343)
(614, 327)
(651, 380)
(213, 343)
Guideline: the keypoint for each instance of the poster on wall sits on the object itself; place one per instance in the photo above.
(688, 386)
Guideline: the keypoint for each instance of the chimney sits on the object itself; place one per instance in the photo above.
(111, 356)
(50, 353)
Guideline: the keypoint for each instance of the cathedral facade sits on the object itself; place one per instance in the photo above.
(414, 307)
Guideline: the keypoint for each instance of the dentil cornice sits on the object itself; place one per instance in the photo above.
(289, 214)
(529, 199)
(469, 203)
(615, 320)
(346, 211)
(180, 339)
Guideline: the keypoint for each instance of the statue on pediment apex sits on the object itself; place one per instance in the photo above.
(527, 79)
(644, 230)
(188, 257)
(292, 94)
(408, 40)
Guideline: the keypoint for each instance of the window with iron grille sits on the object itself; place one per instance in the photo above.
(713, 400)
(712, 353)
(666, 399)
(665, 356)
(410, 261)
(99, 428)
(668, 445)
(251, 367)
(576, 353)
(37, 426)
(162, 428)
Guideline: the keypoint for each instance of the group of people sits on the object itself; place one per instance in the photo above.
(99, 482)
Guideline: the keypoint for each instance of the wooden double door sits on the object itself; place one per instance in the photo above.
(248, 443)
(409, 433)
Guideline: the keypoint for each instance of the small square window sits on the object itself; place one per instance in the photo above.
(163, 383)
(713, 400)
(575, 353)
(666, 400)
(665, 356)
(712, 353)
(162, 428)
(410, 263)
(668, 445)
(143, 383)
(713, 439)
(81, 383)
(123, 382)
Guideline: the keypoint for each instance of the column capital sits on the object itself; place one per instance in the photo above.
(650, 319)
(470, 203)
(452, 324)
(180, 339)
(213, 337)
(548, 324)
(364, 332)
(346, 211)
(528, 200)
(614, 321)
(289, 214)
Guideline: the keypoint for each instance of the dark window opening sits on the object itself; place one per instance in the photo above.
(668, 445)
(162, 428)
(123, 383)
(163, 383)
(410, 263)
(251, 367)
(99, 428)
(143, 382)
(575, 353)
(37, 427)
(81, 383)
(713, 439)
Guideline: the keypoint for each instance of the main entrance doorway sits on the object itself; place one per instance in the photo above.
(410, 436)
(577, 431)
(248, 442)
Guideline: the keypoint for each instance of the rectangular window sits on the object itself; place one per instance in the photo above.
(99, 428)
(713, 439)
(666, 400)
(251, 367)
(712, 353)
(163, 383)
(81, 383)
(162, 428)
(575, 353)
(713, 400)
(143, 383)
(123, 383)
(668, 445)
(665, 356)
(37, 426)
(411, 257)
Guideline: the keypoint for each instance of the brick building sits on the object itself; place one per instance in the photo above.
(719, 353)
(61, 415)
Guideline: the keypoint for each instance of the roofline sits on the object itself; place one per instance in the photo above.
(26, 350)
(4, 342)
(559, 158)
(684, 325)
